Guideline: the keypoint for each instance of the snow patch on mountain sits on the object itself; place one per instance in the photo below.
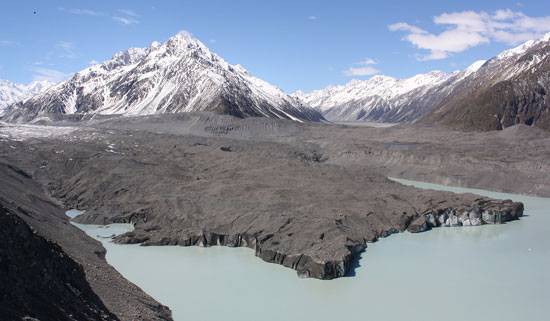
(11, 92)
(373, 90)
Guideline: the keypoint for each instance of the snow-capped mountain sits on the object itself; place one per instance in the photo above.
(384, 98)
(511, 88)
(387, 99)
(179, 75)
(11, 92)
(372, 99)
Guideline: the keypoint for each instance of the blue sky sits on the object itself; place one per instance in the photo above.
(294, 45)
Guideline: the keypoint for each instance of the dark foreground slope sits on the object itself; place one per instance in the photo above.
(279, 194)
(50, 270)
(39, 280)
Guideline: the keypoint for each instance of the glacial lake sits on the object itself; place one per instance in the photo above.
(490, 272)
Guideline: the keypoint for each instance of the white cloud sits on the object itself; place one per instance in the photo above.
(362, 68)
(123, 16)
(125, 20)
(128, 12)
(185, 33)
(8, 43)
(212, 40)
(50, 74)
(128, 17)
(312, 17)
(360, 71)
(93, 62)
(80, 11)
(67, 49)
(368, 61)
(403, 26)
(467, 29)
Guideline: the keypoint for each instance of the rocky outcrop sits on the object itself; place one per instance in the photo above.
(482, 212)
(305, 265)
(495, 213)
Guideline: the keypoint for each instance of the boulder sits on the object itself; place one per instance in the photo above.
(476, 222)
(431, 219)
(475, 213)
(488, 217)
(418, 225)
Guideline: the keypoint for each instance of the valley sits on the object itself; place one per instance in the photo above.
(195, 152)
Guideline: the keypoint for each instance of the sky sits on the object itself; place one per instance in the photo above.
(294, 45)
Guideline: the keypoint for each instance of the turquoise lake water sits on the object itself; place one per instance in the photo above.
(490, 272)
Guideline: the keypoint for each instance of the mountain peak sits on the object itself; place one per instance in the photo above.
(524, 47)
(355, 82)
(179, 75)
(39, 85)
(178, 45)
(183, 42)
(184, 34)
(475, 66)
(126, 57)
(155, 45)
(382, 78)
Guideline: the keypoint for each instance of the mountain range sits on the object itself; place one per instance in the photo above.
(11, 92)
(179, 75)
(183, 75)
(384, 98)
(505, 90)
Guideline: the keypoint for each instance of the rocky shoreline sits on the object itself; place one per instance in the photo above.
(476, 216)
(50, 270)
(483, 213)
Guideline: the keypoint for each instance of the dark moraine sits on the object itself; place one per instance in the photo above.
(283, 198)
(401, 144)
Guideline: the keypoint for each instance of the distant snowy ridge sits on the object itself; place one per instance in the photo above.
(183, 75)
(511, 88)
(382, 98)
(11, 92)
(387, 99)
(179, 75)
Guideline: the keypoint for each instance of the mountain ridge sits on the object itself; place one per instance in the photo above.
(179, 75)
(515, 93)
(419, 98)
(183, 75)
